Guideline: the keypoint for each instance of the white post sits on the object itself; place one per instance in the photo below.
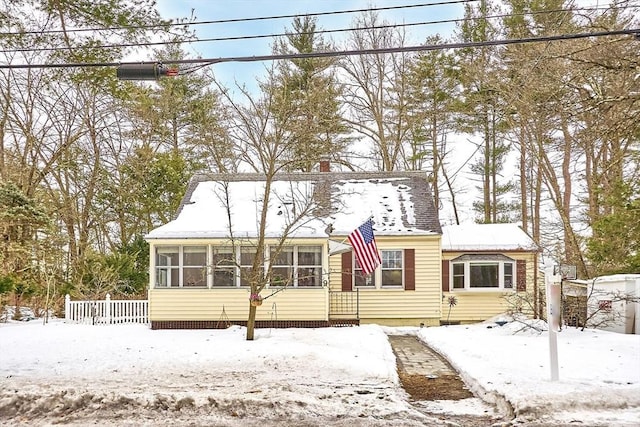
(67, 307)
(107, 309)
(553, 318)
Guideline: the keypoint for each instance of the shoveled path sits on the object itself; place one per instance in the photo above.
(426, 377)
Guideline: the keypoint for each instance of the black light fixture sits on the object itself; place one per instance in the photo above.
(144, 71)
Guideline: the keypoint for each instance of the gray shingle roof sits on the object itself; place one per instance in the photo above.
(304, 205)
(420, 214)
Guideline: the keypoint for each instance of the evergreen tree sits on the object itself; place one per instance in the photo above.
(482, 111)
(614, 246)
(433, 89)
(306, 90)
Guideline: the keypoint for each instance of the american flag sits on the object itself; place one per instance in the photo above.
(364, 245)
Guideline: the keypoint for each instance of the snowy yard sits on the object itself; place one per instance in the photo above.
(131, 375)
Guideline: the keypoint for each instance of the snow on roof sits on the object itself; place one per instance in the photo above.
(205, 214)
(622, 277)
(336, 203)
(482, 237)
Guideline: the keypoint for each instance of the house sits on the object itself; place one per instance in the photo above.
(200, 260)
(488, 269)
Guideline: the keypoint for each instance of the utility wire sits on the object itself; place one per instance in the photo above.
(236, 20)
(259, 36)
(403, 49)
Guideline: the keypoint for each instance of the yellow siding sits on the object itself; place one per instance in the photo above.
(402, 322)
(208, 304)
(474, 306)
(386, 306)
(397, 306)
(480, 305)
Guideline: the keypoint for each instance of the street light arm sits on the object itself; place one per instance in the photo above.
(144, 71)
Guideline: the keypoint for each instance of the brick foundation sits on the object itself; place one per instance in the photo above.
(215, 324)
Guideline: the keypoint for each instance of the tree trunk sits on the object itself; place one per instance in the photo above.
(486, 173)
(523, 180)
(251, 322)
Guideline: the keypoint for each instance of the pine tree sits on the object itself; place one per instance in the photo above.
(307, 92)
(482, 112)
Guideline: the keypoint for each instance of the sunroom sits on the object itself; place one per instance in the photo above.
(206, 284)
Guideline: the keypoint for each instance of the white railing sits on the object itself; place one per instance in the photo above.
(106, 312)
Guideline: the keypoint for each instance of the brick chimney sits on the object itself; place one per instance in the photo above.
(325, 165)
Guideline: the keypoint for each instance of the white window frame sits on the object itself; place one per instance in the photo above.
(209, 268)
(500, 260)
(295, 266)
(374, 279)
(180, 268)
(233, 268)
(167, 269)
(298, 266)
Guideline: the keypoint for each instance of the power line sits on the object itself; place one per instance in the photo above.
(274, 57)
(273, 35)
(236, 20)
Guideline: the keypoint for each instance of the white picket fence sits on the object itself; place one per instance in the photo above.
(106, 312)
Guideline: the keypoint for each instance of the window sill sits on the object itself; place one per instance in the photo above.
(482, 290)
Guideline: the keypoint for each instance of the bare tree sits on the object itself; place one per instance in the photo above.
(264, 141)
(377, 91)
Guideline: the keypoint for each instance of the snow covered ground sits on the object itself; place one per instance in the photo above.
(131, 375)
(599, 372)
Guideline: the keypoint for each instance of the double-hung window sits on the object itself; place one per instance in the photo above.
(391, 269)
(360, 279)
(482, 272)
(390, 274)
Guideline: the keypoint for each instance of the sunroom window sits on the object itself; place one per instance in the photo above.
(181, 266)
(309, 266)
(247, 255)
(281, 265)
(299, 266)
(201, 266)
(168, 267)
(224, 266)
(194, 266)
(490, 271)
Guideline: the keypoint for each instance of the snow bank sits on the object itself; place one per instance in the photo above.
(599, 371)
(68, 373)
